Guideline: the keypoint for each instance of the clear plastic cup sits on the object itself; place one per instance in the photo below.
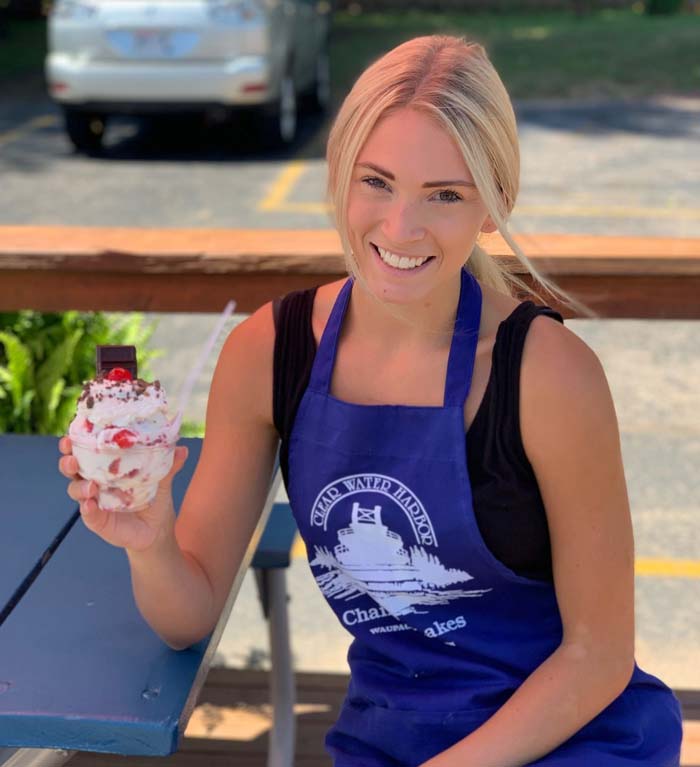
(127, 478)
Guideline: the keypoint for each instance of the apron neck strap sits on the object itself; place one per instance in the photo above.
(460, 365)
(322, 369)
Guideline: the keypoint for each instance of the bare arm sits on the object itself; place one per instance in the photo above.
(570, 433)
(182, 580)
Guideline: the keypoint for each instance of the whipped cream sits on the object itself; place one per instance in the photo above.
(106, 408)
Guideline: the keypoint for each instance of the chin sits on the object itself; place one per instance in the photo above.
(391, 293)
(394, 286)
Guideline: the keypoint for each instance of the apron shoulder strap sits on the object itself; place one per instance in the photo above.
(460, 365)
(325, 356)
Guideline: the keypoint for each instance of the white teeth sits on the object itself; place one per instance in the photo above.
(399, 262)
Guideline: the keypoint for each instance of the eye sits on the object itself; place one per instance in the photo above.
(454, 196)
(369, 180)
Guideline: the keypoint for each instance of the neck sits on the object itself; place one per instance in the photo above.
(425, 322)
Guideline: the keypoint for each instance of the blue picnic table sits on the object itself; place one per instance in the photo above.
(80, 669)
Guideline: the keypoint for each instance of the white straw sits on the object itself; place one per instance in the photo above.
(185, 392)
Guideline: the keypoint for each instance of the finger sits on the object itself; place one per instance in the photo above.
(82, 490)
(179, 459)
(95, 518)
(77, 491)
(65, 446)
(181, 454)
(68, 466)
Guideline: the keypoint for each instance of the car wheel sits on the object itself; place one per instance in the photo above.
(85, 130)
(319, 97)
(280, 120)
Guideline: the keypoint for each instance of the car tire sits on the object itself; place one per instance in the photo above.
(318, 99)
(279, 122)
(85, 130)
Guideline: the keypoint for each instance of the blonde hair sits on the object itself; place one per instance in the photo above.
(453, 82)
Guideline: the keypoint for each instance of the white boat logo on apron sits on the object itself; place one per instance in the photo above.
(367, 557)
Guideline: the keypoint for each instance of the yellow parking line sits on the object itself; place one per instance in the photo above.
(282, 186)
(43, 121)
(660, 568)
(668, 568)
(298, 548)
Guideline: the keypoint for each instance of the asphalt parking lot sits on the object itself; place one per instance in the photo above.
(599, 168)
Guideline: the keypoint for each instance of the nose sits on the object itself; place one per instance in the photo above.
(402, 223)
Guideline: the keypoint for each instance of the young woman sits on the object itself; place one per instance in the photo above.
(450, 452)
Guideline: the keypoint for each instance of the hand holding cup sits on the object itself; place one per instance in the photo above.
(137, 530)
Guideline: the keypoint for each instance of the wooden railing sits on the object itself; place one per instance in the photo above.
(199, 270)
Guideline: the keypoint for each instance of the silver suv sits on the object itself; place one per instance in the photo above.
(268, 58)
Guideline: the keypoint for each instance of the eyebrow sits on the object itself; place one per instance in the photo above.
(427, 185)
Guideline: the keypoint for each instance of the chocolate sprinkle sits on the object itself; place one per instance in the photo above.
(132, 389)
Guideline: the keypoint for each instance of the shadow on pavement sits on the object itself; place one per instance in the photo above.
(193, 139)
(651, 117)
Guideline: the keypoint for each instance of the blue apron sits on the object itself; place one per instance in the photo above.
(443, 631)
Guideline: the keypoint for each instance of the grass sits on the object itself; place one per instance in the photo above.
(547, 54)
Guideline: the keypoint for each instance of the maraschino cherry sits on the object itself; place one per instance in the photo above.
(119, 374)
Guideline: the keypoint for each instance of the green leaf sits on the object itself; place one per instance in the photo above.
(191, 429)
(47, 417)
(19, 366)
(22, 414)
(60, 347)
(49, 375)
(66, 409)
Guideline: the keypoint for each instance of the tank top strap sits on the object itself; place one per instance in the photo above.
(507, 359)
(294, 350)
(518, 324)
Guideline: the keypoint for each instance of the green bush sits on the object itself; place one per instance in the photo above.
(46, 357)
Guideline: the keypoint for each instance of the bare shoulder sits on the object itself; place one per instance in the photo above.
(554, 355)
(245, 363)
(244, 368)
(564, 391)
(248, 351)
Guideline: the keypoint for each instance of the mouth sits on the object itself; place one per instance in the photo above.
(406, 268)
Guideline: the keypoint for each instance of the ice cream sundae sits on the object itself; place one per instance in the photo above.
(123, 438)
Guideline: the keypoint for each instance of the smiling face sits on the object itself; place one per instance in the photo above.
(429, 210)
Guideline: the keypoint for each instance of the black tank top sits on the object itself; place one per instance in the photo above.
(507, 501)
